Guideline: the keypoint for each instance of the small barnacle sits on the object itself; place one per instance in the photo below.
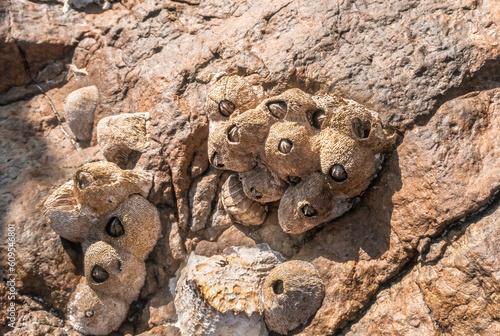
(90, 313)
(114, 272)
(123, 138)
(338, 173)
(262, 184)
(102, 185)
(226, 108)
(292, 292)
(294, 180)
(114, 228)
(255, 193)
(242, 209)
(79, 111)
(216, 161)
(285, 146)
(277, 109)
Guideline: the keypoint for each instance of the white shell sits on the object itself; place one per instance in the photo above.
(221, 295)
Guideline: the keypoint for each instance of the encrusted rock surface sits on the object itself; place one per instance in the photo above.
(428, 68)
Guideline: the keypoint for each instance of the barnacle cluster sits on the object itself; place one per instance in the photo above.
(228, 294)
(314, 152)
(105, 208)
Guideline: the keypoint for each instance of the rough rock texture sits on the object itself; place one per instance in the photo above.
(427, 67)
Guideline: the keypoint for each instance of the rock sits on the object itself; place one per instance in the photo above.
(201, 196)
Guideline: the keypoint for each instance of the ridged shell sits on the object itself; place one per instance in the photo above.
(121, 136)
(242, 209)
(292, 292)
(79, 111)
(221, 295)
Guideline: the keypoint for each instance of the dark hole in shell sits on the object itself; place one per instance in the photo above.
(226, 108)
(255, 194)
(317, 118)
(114, 228)
(285, 146)
(294, 180)
(309, 211)
(233, 134)
(216, 161)
(338, 173)
(89, 313)
(84, 180)
(277, 109)
(278, 287)
(361, 128)
(99, 274)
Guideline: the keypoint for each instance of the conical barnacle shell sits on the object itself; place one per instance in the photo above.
(221, 295)
(66, 217)
(141, 226)
(102, 185)
(79, 111)
(309, 204)
(230, 96)
(114, 272)
(92, 313)
(292, 292)
(242, 209)
(262, 185)
(122, 135)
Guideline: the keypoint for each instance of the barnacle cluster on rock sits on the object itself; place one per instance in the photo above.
(105, 208)
(228, 294)
(314, 152)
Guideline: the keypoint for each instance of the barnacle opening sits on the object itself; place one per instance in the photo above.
(114, 228)
(226, 108)
(233, 135)
(308, 211)
(89, 313)
(338, 173)
(317, 118)
(277, 109)
(99, 274)
(278, 287)
(255, 193)
(294, 180)
(216, 161)
(84, 180)
(285, 146)
(360, 128)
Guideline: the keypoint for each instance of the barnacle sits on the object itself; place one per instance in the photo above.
(123, 137)
(242, 209)
(79, 111)
(93, 313)
(324, 149)
(292, 292)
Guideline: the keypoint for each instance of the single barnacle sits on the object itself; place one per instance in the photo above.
(65, 215)
(292, 292)
(277, 109)
(230, 96)
(79, 111)
(123, 138)
(133, 226)
(262, 184)
(241, 208)
(232, 134)
(338, 173)
(317, 118)
(360, 129)
(114, 272)
(310, 203)
(285, 146)
(101, 186)
(91, 313)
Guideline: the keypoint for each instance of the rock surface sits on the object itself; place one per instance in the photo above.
(429, 68)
